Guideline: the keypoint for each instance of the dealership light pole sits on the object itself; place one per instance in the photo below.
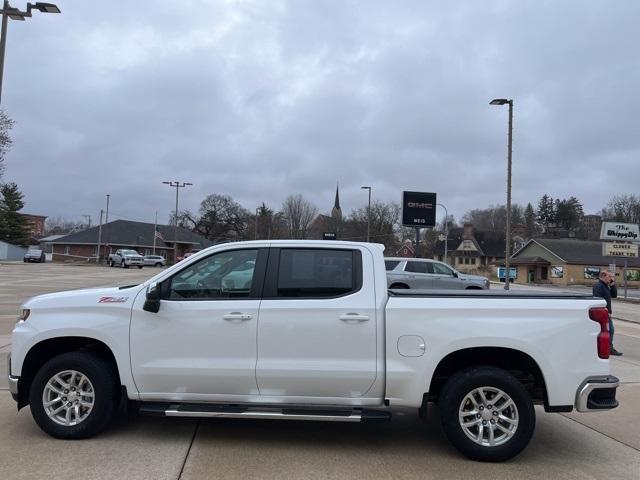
(446, 230)
(368, 215)
(177, 186)
(8, 12)
(504, 101)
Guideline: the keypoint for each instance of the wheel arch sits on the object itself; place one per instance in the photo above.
(518, 363)
(44, 350)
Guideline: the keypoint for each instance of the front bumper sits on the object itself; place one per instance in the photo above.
(13, 381)
(597, 393)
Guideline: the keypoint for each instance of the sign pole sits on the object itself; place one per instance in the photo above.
(417, 251)
(624, 272)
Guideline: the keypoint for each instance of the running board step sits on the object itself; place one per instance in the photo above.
(198, 410)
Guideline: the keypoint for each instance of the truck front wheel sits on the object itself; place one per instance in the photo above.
(74, 395)
(487, 414)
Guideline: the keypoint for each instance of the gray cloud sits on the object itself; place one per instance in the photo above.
(262, 99)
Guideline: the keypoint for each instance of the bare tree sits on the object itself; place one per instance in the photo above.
(298, 214)
(622, 208)
(62, 226)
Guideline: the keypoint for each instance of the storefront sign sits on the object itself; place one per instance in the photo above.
(418, 209)
(626, 232)
(329, 235)
(612, 249)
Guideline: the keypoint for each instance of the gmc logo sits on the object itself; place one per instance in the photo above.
(419, 205)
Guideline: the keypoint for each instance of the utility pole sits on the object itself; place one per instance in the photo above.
(177, 186)
(368, 214)
(504, 101)
(88, 219)
(99, 239)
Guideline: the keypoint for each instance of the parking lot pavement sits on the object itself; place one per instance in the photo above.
(143, 449)
(567, 446)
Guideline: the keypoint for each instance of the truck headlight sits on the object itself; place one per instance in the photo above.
(24, 314)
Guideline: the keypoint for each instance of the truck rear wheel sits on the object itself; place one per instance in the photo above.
(487, 414)
(74, 395)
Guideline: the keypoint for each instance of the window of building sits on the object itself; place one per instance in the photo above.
(317, 273)
(66, 249)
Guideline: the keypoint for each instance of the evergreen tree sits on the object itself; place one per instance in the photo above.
(529, 221)
(546, 211)
(13, 226)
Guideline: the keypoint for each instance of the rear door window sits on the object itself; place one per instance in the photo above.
(418, 267)
(390, 264)
(317, 273)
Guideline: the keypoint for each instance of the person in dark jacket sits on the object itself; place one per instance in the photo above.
(606, 288)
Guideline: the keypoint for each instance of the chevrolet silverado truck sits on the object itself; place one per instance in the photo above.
(126, 259)
(307, 330)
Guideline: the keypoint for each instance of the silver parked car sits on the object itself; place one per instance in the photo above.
(154, 260)
(421, 273)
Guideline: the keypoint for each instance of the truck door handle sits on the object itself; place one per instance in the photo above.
(354, 317)
(235, 316)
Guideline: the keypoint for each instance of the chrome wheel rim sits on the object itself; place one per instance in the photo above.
(68, 398)
(488, 416)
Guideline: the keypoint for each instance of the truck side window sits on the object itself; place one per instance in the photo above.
(223, 275)
(315, 273)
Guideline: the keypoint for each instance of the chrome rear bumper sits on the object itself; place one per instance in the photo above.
(597, 393)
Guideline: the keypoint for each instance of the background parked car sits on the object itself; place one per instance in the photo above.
(422, 273)
(34, 255)
(155, 260)
(126, 259)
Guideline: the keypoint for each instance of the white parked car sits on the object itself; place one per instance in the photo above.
(154, 261)
(307, 330)
(34, 255)
(425, 274)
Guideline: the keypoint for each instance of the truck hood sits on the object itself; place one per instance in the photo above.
(85, 298)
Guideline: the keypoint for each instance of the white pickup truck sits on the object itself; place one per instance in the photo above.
(126, 258)
(307, 330)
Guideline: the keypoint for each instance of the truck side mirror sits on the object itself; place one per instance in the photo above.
(152, 302)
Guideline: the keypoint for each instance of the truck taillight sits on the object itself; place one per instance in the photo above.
(601, 315)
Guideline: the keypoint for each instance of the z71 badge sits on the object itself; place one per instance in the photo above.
(113, 299)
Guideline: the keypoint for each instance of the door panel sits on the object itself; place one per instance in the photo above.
(316, 347)
(203, 339)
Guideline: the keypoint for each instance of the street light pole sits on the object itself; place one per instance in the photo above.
(446, 231)
(368, 215)
(9, 12)
(503, 101)
(177, 186)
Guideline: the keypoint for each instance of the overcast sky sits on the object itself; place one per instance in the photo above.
(260, 99)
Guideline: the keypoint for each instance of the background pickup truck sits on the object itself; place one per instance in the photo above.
(308, 331)
(126, 259)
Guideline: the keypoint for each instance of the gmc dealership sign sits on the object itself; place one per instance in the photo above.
(418, 209)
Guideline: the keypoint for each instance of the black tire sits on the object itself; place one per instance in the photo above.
(102, 376)
(139, 266)
(111, 264)
(399, 286)
(462, 384)
(158, 264)
(123, 265)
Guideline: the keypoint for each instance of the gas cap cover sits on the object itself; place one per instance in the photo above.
(411, 346)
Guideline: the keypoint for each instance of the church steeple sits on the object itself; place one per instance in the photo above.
(336, 212)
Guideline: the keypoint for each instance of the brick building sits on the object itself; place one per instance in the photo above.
(121, 234)
(471, 251)
(35, 224)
